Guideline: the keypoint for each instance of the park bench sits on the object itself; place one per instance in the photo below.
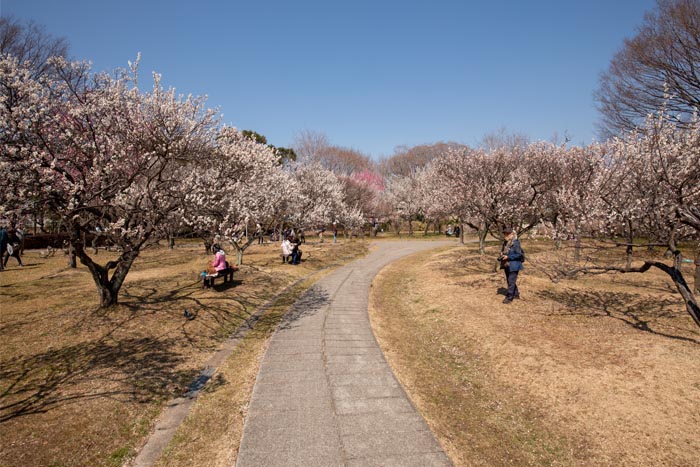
(226, 274)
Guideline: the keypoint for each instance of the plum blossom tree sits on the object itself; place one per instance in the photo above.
(100, 152)
(659, 167)
(317, 198)
(237, 186)
(404, 197)
(573, 200)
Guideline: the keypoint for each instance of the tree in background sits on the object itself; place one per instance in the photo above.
(310, 145)
(403, 195)
(408, 160)
(284, 155)
(30, 44)
(657, 67)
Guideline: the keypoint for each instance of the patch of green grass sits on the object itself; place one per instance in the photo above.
(117, 457)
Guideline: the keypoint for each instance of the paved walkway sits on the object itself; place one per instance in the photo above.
(325, 396)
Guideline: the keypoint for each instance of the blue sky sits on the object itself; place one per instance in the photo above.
(371, 75)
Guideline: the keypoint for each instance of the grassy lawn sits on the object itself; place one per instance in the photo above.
(81, 386)
(601, 371)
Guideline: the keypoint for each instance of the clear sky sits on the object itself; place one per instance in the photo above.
(370, 74)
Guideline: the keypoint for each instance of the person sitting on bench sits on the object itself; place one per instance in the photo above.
(218, 267)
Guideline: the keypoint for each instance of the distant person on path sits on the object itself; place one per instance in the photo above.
(3, 246)
(335, 231)
(511, 259)
(13, 247)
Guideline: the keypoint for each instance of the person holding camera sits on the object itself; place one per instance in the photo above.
(511, 259)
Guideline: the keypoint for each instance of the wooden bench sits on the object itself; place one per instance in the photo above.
(227, 274)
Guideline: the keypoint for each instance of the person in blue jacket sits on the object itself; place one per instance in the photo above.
(511, 258)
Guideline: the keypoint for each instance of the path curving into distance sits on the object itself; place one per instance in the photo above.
(325, 395)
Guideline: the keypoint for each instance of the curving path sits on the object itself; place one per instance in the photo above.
(325, 395)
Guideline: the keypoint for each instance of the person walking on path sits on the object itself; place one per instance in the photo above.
(511, 259)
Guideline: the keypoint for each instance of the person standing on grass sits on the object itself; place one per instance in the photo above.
(13, 248)
(511, 259)
(259, 234)
(296, 250)
(3, 246)
(286, 250)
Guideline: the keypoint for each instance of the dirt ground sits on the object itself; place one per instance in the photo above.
(80, 386)
(602, 370)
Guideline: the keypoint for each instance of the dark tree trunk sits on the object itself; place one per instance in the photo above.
(674, 272)
(71, 257)
(171, 242)
(630, 239)
(577, 248)
(697, 271)
(107, 287)
(241, 248)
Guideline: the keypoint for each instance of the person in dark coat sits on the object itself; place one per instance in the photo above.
(13, 247)
(3, 246)
(296, 250)
(511, 259)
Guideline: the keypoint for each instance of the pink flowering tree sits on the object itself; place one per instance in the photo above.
(99, 152)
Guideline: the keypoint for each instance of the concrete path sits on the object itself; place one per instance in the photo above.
(325, 395)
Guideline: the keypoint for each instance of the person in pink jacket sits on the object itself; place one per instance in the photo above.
(219, 263)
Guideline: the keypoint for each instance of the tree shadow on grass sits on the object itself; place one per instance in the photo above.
(132, 369)
(652, 315)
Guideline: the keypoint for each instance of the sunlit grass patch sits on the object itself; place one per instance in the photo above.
(82, 386)
(594, 371)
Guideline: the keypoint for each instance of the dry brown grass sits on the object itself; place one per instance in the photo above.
(81, 386)
(598, 371)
